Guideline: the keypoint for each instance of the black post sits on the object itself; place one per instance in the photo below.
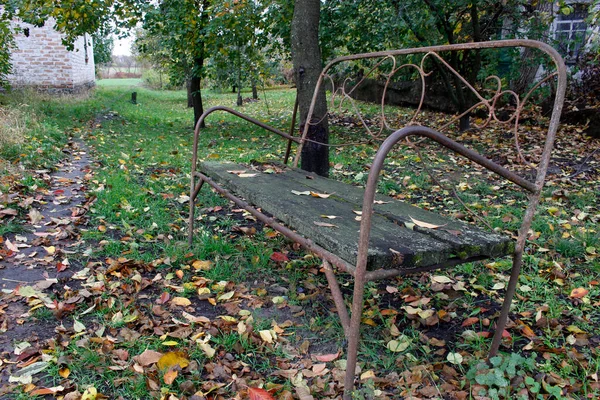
(134, 97)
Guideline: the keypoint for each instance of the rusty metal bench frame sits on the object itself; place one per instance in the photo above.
(351, 322)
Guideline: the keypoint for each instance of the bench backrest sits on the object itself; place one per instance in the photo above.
(378, 78)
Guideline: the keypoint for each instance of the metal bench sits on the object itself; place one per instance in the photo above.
(390, 238)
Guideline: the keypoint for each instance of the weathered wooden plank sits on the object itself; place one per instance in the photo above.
(464, 237)
(389, 236)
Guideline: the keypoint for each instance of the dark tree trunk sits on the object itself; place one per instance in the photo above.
(195, 89)
(190, 98)
(306, 56)
(254, 89)
(239, 86)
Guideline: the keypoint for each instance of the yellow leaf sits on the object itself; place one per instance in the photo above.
(89, 394)
(181, 301)
(574, 329)
(50, 250)
(201, 265)
(170, 343)
(226, 296)
(398, 345)
(172, 358)
(64, 372)
(266, 336)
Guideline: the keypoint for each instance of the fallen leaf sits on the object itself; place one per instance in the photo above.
(470, 321)
(399, 344)
(329, 216)
(424, 224)
(320, 195)
(454, 358)
(578, 293)
(441, 279)
(259, 394)
(78, 326)
(171, 359)
(207, 349)
(325, 224)
(181, 301)
(50, 250)
(148, 357)
(226, 296)
(279, 257)
(201, 265)
(305, 193)
(90, 394)
(35, 216)
(170, 376)
(327, 357)
(266, 336)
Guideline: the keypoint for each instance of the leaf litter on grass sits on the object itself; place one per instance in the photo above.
(149, 300)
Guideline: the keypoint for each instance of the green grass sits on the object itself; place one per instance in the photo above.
(129, 82)
(141, 182)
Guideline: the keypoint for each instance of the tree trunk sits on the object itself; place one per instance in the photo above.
(239, 86)
(190, 98)
(195, 89)
(306, 56)
(254, 89)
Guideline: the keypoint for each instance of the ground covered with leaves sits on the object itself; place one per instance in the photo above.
(102, 297)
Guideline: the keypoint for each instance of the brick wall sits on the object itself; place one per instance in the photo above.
(41, 61)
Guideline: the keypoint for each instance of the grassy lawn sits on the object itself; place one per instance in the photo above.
(119, 82)
(226, 315)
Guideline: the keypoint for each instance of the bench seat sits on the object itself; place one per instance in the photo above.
(398, 239)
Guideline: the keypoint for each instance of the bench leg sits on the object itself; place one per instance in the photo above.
(193, 194)
(338, 298)
(354, 337)
(510, 293)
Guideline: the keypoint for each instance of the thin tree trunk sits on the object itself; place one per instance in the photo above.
(190, 98)
(195, 89)
(254, 89)
(306, 56)
(239, 86)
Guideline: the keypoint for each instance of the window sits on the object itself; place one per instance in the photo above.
(569, 33)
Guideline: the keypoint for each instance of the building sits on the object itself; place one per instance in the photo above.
(41, 61)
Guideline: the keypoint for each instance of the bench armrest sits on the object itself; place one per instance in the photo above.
(239, 115)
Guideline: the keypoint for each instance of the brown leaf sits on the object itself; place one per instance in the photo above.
(303, 393)
(469, 321)
(279, 257)
(259, 394)
(528, 332)
(170, 376)
(578, 293)
(148, 357)
(327, 357)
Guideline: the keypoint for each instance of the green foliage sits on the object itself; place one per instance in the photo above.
(6, 44)
(103, 47)
(497, 377)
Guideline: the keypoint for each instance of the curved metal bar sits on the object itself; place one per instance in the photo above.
(549, 50)
(194, 189)
(360, 272)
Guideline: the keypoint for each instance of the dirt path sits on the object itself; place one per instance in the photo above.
(37, 263)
